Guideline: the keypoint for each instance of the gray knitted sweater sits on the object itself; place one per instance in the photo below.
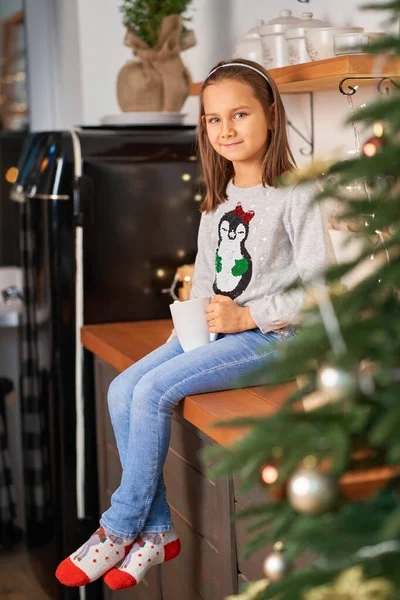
(256, 244)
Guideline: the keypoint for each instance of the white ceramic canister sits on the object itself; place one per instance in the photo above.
(272, 39)
(250, 46)
(354, 43)
(296, 50)
(320, 40)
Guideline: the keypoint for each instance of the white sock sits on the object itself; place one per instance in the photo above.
(148, 550)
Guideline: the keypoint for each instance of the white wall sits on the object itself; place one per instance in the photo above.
(102, 54)
(76, 50)
(43, 71)
(331, 108)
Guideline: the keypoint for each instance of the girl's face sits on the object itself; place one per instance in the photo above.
(236, 123)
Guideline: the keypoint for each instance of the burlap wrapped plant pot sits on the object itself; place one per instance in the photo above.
(157, 80)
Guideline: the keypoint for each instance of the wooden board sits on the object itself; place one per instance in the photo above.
(327, 74)
(122, 344)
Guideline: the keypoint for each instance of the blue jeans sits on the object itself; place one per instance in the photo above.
(141, 401)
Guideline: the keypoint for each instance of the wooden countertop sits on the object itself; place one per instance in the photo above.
(122, 344)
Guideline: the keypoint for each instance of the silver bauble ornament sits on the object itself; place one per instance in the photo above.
(337, 383)
(275, 565)
(311, 492)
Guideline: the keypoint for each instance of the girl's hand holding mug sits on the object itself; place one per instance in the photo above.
(225, 316)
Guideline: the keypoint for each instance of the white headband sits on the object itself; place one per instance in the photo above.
(236, 64)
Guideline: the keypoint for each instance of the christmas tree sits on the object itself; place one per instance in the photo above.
(343, 422)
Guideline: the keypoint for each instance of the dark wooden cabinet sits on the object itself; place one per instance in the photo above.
(208, 567)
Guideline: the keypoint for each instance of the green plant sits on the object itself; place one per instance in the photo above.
(144, 17)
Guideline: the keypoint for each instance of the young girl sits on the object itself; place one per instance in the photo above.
(254, 240)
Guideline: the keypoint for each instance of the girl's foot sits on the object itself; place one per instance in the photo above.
(149, 549)
(92, 560)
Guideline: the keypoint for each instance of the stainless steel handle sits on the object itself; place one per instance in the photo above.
(10, 294)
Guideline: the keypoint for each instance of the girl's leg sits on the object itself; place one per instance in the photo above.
(143, 450)
(119, 404)
(217, 366)
(121, 390)
(102, 551)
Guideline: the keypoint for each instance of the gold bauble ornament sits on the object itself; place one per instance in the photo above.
(338, 383)
(275, 566)
(312, 492)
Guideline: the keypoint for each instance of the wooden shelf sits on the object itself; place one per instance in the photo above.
(327, 74)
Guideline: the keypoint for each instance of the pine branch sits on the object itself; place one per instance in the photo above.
(363, 533)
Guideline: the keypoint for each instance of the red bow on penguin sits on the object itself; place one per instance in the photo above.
(246, 216)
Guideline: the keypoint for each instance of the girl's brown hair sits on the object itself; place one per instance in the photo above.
(278, 158)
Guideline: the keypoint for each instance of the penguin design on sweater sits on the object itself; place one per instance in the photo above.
(233, 265)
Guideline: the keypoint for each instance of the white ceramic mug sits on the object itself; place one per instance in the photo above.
(191, 324)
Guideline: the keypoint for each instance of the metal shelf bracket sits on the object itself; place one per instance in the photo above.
(351, 90)
(309, 141)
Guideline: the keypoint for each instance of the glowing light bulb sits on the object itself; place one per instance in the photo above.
(378, 129)
(186, 177)
(11, 175)
(269, 474)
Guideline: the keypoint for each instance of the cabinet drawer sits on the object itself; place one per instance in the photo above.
(257, 495)
(250, 567)
(175, 587)
(192, 495)
(197, 567)
(188, 442)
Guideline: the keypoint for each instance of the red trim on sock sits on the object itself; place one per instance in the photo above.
(69, 574)
(172, 550)
(117, 580)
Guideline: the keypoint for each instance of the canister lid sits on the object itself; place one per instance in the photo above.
(254, 32)
(306, 22)
(280, 24)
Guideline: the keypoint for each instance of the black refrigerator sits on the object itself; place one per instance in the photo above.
(111, 214)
